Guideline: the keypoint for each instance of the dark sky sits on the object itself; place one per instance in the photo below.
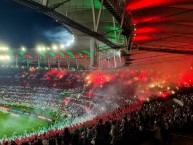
(20, 25)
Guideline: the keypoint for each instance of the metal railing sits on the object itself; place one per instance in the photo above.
(67, 21)
(117, 9)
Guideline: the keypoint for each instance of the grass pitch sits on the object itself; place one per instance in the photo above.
(17, 124)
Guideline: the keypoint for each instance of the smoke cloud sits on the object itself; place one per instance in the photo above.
(59, 35)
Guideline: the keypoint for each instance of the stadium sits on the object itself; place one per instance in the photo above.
(96, 72)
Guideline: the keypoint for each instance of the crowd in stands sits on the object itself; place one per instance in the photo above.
(54, 90)
(101, 120)
(134, 124)
(30, 88)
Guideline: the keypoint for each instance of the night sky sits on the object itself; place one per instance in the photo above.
(22, 26)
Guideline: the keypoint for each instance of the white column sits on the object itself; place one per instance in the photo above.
(99, 16)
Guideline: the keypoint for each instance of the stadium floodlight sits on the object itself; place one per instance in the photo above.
(4, 48)
(43, 49)
(39, 49)
(55, 47)
(7, 57)
(23, 49)
(4, 57)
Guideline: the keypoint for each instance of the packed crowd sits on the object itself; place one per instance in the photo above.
(40, 89)
(54, 90)
(134, 124)
(124, 120)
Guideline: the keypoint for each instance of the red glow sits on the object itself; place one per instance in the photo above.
(142, 38)
(98, 78)
(164, 95)
(142, 99)
(139, 4)
(58, 74)
(32, 69)
(84, 55)
(77, 55)
(146, 19)
(67, 56)
(90, 94)
(61, 74)
(58, 56)
(66, 100)
(187, 79)
(146, 30)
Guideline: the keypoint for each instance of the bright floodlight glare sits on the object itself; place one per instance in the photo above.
(43, 49)
(39, 48)
(55, 47)
(7, 57)
(23, 49)
(4, 48)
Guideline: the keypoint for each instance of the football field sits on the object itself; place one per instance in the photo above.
(17, 124)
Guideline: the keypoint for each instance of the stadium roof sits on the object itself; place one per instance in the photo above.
(161, 25)
(78, 16)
